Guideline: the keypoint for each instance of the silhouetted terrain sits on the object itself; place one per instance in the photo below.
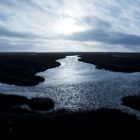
(20, 117)
(132, 102)
(119, 62)
(24, 123)
(20, 68)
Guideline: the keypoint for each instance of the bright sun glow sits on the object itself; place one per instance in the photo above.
(67, 26)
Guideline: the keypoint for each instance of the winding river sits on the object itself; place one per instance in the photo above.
(77, 85)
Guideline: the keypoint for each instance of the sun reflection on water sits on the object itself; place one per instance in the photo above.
(68, 71)
(78, 85)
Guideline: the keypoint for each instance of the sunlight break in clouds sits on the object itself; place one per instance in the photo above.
(76, 25)
(67, 26)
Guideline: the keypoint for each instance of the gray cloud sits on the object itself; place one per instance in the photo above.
(106, 37)
(104, 32)
(113, 24)
(14, 34)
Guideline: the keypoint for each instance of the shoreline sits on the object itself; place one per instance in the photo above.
(117, 62)
(16, 121)
(132, 102)
(21, 68)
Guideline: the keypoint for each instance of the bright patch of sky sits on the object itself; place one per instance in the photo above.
(70, 25)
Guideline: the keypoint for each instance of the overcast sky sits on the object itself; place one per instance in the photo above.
(70, 25)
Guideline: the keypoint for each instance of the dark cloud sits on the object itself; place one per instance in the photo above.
(14, 34)
(104, 33)
(106, 37)
(13, 45)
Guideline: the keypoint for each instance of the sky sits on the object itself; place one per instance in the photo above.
(69, 25)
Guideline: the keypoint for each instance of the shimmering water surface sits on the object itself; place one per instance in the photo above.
(78, 85)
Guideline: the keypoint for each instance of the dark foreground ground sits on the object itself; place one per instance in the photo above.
(22, 123)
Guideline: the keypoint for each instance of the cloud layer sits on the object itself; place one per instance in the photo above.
(76, 25)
